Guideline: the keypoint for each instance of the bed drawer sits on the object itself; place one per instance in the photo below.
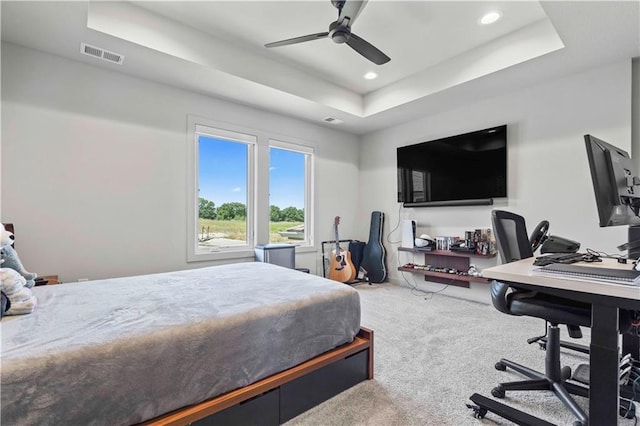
(262, 410)
(312, 389)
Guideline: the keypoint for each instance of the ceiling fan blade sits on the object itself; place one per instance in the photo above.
(367, 50)
(350, 11)
(295, 40)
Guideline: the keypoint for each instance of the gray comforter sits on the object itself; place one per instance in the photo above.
(121, 351)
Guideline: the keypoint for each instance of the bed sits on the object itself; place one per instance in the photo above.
(177, 347)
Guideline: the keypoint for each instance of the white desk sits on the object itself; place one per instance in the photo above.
(605, 299)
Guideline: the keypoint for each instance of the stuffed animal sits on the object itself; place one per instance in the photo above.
(9, 257)
(20, 299)
(4, 304)
(6, 237)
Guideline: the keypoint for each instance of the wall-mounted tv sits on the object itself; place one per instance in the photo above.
(467, 169)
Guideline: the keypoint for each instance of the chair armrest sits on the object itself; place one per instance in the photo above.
(499, 296)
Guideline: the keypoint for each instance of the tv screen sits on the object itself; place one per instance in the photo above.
(465, 169)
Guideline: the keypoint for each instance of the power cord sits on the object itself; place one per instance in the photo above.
(634, 372)
(427, 294)
(395, 228)
(608, 256)
(636, 388)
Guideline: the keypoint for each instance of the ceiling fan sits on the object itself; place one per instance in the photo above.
(340, 32)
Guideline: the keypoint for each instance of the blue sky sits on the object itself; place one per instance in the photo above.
(223, 171)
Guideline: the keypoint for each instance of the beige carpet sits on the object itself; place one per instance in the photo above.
(431, 353)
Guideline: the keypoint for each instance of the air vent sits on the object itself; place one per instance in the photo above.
(97, 52)
(332, 120)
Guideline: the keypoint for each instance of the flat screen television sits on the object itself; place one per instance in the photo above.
(467, 169)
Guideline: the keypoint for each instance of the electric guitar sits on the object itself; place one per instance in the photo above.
(340, 267)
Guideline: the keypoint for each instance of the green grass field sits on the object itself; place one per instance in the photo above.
(235, 229)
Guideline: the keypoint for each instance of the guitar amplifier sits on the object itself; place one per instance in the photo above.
(277, 254)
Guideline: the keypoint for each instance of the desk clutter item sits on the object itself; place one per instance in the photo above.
(431, 268)
(559, 258)
(446, 266)
(479, 242)
(472, 271)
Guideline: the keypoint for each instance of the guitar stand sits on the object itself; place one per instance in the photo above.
(325, 255)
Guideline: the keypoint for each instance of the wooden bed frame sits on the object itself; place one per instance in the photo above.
(284, 395)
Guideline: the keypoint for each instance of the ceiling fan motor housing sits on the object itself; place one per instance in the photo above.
(339, 33)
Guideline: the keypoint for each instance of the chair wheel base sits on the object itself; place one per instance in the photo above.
(498, 392)
(565, 372)
(578, 423)
(478, 412)
(500, 366)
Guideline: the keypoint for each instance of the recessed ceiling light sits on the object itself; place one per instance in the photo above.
(490, 18)
(370, 75)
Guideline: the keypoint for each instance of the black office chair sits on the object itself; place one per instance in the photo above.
(521, 249)
(513, 244)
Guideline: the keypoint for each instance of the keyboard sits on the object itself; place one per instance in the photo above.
(549, 259)
(621, 276)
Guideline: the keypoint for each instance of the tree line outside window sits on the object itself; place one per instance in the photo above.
(238, 211)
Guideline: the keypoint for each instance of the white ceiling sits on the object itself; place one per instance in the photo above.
(440, 55)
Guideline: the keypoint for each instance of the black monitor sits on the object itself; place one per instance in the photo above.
(615, 183)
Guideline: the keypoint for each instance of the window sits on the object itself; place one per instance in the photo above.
(290, 173)
(221, 213)
(246, 188)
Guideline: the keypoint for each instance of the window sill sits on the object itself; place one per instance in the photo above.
(221, 255)
(305, 249)
(227, 254)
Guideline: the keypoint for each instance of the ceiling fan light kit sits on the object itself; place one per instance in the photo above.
(340, 32)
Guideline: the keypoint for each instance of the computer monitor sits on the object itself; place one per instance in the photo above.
(615, 183)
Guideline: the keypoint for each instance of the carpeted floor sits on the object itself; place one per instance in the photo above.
(431, 353)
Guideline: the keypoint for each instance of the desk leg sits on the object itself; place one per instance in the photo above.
(631, 345)
(604, 389)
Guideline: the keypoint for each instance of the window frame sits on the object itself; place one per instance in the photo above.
(258, 213)
(236, 134)
(309, 179)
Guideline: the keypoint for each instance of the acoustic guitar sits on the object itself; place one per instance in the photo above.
(340, 267)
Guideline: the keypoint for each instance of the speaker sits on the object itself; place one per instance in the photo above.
(408, 233)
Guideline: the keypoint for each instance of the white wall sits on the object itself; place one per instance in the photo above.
(94, 172)
(548, 175)
(94, 165)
